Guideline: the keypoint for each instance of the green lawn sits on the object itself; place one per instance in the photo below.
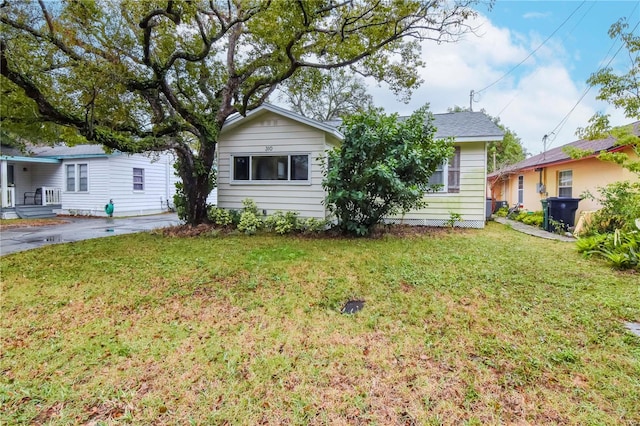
(464, 327)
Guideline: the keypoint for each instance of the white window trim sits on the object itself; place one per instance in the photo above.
(76, 177)
(570, 186)
(444, 167)
(233, 181)
(133, 175)
(520, 190)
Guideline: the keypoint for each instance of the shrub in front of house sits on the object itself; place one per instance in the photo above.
(382, 168)
(282, 222)
(620, 208)
(220, 217)
(312, 225)
(620, 249)
(612, 233)
(530, 218)
(250, 221)
(502, 212)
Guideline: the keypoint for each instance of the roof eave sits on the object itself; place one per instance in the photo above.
(24, 159)
(462, 139)
(234, 122)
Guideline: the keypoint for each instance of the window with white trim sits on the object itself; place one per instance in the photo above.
(138, 179)
(565, 183)
(77, 177)
(520, 189)
(447, 175)
(283, 167)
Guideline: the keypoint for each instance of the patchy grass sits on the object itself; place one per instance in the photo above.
(469, 327)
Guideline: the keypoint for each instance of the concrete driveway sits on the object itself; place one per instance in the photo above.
(77, 229)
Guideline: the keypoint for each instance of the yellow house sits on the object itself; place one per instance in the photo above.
(555, 174)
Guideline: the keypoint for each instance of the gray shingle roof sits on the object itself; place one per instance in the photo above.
(463, 124)
(10, 151)
(466, 124)
(65, 151)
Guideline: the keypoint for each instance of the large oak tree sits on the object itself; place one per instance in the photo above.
(141, 76)
(326, 94)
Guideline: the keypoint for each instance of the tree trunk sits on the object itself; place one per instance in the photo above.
(198, 179)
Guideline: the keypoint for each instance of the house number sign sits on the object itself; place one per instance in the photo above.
(268, 148)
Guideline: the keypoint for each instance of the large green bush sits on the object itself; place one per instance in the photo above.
(382, 169)
(620, 208)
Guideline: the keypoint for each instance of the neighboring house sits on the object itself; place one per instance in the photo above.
(80, 180)
(555, 174)
(275, 157)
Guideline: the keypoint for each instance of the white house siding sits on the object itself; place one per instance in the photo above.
(92, 201)
(469, 202)
(22, 179)
(111, 178)
(273, 134)
(45, 175)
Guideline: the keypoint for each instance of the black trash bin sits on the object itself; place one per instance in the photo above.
(562, 210)
(545, 214)
(500, 204)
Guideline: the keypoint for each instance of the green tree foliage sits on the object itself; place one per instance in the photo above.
(165, 74)
(614, 225)
(326, 94)
(382, 168)
(622, 90)
(502, 153)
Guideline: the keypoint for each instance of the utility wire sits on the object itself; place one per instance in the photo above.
(538, 69)
(534, 51)
(557, 129)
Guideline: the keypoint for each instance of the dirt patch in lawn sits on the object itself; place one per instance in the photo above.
(29, 223)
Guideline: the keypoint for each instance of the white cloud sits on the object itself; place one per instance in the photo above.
(536, 15)
(532, 100)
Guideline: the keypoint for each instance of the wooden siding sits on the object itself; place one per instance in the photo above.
(92, 201)
(22, 179)
(469, 202)
(284, 136)
(46, 175)
(112, 179)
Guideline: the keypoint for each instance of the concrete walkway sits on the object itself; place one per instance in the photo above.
(534, 230)
(77, 229)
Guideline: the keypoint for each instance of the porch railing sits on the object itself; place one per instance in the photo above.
(8, 198)
(50, 195)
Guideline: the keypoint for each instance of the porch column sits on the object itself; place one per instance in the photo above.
(4, 196)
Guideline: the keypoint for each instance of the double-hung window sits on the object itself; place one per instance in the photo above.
(138, 179)
(281, 168)
(77, 177)
(520, 190)
(446, 178)
(565, 183)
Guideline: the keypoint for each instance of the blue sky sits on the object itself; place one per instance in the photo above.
(534, 98)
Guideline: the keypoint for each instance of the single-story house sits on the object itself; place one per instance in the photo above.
(80, 180)
(555, 174)
(275, 157)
